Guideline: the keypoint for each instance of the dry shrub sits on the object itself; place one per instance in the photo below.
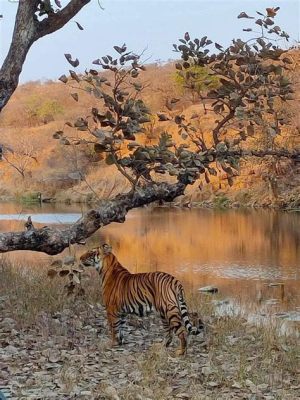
(29, 292)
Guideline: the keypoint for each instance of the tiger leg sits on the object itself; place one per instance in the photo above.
(183, 342)
(168, 332)
(121, 329)
(173, 317)
(115, 323)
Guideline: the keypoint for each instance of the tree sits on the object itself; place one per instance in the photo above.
(40, 110)
(251, 75)
(21, 157)
(196, 79)
(34, 19)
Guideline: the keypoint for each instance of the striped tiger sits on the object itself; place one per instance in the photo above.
(126, 293)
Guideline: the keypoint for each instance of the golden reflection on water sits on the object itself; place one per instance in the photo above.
(239, 251)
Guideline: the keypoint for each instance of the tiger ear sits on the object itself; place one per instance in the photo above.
(106, 248)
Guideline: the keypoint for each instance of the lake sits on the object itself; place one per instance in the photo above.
(242, 252)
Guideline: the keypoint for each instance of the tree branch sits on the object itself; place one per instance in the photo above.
(57, 20)
(27, 31)
(53, 240)
(216, 130)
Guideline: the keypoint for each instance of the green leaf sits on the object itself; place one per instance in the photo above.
(244, 15)
(109, 159)
(212, 171)
(221, 147)
(99, 148)
(162, 117)
(51, 273)
(76, 279)
(74, 63)
(132, 145)
(75, 175)
(187, 36)
(272, 132)
(178, 119)
(64, 141)
(287, 60)
(269, 21)
(64, 272)
(120, 50)
(63, 79)
(134, 73)
(207, 180)
(79, 26)
(230, 180)
(203, 41)
(75, 96)
(80, 123)
(184, 135)
(250, 130)
(58, 135)
(74, 76)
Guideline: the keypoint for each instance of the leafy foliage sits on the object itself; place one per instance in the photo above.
(243, 84)
(199, 79)
(252, 77)
(39, 110)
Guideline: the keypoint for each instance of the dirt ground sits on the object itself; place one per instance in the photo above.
(67, 355)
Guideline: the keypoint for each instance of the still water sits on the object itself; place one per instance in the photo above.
(239, 251)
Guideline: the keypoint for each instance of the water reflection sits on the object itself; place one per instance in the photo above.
(240, 251)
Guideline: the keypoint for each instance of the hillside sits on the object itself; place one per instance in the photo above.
(37, 163)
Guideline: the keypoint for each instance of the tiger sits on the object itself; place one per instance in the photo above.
(125, 293)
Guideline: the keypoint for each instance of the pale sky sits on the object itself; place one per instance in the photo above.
(151, 24)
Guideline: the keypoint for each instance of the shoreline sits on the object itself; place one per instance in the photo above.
(211, 205)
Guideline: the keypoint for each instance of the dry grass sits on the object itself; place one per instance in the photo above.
(30, 294)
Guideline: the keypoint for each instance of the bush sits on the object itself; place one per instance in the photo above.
(221, 201)
(200, 78)
(42, 111)
(30, 197)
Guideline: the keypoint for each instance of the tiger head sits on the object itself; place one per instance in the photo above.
(95, 257)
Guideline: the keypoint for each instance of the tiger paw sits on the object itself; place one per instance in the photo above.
(181, 352)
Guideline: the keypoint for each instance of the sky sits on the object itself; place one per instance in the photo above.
(153, 25)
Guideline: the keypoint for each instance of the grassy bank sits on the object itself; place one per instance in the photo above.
(53, 346)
